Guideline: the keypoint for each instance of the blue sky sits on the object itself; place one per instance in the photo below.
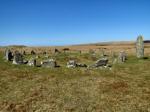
(63, 22)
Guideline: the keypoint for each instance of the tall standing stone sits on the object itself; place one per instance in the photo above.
(140, 47)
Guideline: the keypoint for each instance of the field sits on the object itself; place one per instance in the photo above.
(124, 88)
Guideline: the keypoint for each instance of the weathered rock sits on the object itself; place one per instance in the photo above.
(122, 57)
(51, 63)
(100, 62)
(81, 65)
(18, 58)
(140, 47)
(8, 55)
(71, 64)
(32, 62)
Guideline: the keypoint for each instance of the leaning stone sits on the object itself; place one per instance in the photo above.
(101, 62)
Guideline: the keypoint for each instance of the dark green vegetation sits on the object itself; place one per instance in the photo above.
(125, 88)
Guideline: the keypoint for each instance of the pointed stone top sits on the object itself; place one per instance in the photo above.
(140, 37)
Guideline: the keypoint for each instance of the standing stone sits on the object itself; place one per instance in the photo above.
(32, 62)
(71, 64)
(8, 55)
(18, 58)
(122, 57)
(140, 47)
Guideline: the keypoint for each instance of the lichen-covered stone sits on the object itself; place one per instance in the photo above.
(140, 47)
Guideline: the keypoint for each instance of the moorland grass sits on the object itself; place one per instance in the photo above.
(125, 88)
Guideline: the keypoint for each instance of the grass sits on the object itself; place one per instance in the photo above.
(125, 88)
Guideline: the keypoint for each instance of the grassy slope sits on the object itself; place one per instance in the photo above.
(124, 89)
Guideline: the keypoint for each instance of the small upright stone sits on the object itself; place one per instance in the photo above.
(32, 62)
(122, 57)
(140, 47)
(18, 58)
(8, 55)
(71, 64)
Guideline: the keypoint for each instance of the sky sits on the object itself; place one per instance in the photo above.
(67, 22)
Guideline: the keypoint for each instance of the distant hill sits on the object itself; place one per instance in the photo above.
(112, 43)
(116, 43)
(109, 43)
(147, 41)
(16, 46)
